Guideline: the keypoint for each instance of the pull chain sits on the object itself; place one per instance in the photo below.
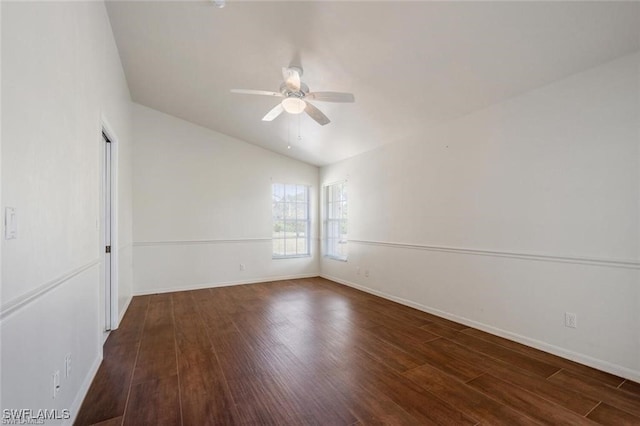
(289, 132)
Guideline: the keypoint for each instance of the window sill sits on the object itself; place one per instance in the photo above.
(297, 256)
(339, 259)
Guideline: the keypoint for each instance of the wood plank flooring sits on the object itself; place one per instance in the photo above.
(307, 352)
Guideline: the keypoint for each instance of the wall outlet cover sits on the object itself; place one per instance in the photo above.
(10, 223)
(570, 320)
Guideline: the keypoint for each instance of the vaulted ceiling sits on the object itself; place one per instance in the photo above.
(409, 64)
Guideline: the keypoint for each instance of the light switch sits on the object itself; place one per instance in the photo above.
(10, 224)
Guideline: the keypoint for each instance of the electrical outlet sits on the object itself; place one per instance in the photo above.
(56, 383)
(242, 266)
(67, 366)
(366, 273)
(10, 224)
(358, 270)
(570, 320)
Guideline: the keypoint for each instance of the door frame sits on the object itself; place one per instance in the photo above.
(107, 130)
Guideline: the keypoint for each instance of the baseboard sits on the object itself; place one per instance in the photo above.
(124, 310)
(84, 389)
(599, 364)
(224, 284)
(82, 393)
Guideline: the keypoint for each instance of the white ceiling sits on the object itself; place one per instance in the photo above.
(409, 64)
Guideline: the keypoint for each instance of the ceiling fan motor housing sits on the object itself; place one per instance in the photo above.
(304, 89)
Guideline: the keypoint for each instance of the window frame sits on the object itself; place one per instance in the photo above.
(288, 206)
(335, 223)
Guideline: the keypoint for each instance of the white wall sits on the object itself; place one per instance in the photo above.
(1, 193)
(61, 76)
(202, 206)
(511, 216)
(124, 182)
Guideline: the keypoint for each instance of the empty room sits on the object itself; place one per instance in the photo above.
(320, 212)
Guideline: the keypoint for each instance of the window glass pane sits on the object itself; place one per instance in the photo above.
(301, 211)
(336, 221)
(278, 211)
(335, 210)
(301, 228)
(278, 247)
(342, 248)
(332, 229)
(290, 246)
(301, 194)
(278, 229)
(290, 220)
(278, 192)
(290, 193)
(301, 244)
(289, 210)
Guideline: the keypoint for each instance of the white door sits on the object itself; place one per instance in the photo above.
(107, 232)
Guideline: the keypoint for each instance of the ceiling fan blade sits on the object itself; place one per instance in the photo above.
(291, 78)
(331, 97)
(257, 92)
(276, 111)
(316, 114)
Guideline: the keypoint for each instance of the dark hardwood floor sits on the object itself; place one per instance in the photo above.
(314, 352)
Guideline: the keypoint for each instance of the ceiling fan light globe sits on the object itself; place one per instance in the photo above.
(294, 105)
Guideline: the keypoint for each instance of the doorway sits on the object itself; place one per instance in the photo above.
(107, 292)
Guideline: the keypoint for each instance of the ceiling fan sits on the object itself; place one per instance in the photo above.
(296, 97)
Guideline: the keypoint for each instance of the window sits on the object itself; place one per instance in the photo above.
(291, 223)
(336, 225)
